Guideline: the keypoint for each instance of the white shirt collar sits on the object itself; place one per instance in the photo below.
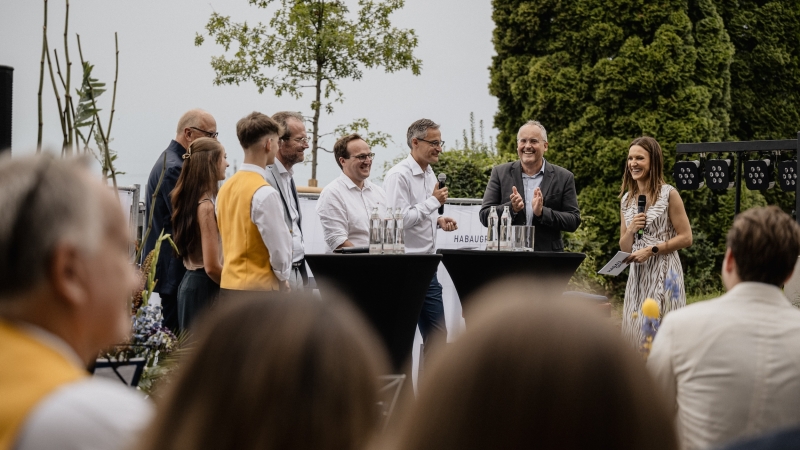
(351, 184)
(254, 168)
(416, 169)
(281, 169)
(540, 172)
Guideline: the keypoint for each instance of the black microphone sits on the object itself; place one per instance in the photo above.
(442, 178)
(642, 204)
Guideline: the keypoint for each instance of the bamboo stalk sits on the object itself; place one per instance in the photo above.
(55, 91)
(107, 156)
(114, 92)
(67, 95)
(41, 80)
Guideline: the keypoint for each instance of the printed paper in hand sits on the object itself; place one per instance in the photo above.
(616, 265)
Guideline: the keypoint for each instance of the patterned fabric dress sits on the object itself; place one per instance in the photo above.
(646, 280)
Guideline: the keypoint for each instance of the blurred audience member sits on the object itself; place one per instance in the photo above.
(194, 124)
(194, 224)
(283, 373)
(65, 283)
(780, 440)
(729, 366)
(536, 374)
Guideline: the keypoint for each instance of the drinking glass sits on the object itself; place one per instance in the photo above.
(530, 233)
(518, 238)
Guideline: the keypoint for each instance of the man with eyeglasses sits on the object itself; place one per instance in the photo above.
(291, 150)
(345, 205)
(194, 124)
(539, 193)
(412, 186)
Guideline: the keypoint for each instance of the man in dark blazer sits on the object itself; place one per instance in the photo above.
(538, 193)
(169, 268)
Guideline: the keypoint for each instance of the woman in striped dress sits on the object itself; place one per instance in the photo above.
(654, 255)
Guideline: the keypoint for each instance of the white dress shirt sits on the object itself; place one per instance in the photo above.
(530, 183)
(344, 210)
(91, 413)
(266, 212)
(730, 366)
(298, 251)
(410, 188)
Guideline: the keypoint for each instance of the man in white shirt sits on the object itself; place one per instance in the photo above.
(412, 186)
(65, 284)
(247, 205)
(291, 150)
(730, 366)
(345, 205)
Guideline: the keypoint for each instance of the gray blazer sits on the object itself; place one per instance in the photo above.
(560, 210)
(274, 180)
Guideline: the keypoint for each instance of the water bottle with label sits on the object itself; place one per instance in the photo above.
(491, 234)
(505, 230)
(388, 232)
(399, 234)
(375, 233)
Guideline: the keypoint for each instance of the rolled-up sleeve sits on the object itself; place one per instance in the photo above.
(398, 194)
(267, 213)
(333, 217)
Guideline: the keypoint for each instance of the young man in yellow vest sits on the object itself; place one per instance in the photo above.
(256, 243)
(65, 284)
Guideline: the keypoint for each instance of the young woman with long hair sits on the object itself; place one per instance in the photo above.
(194, 226)
(665, 230)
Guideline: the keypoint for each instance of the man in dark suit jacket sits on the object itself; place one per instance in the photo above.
(538, 193)
(169, 268)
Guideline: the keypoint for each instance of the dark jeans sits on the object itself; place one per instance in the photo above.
(169, 309)
(196, 293)
(431, 318)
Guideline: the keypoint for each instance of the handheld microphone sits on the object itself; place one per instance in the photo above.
(642, 204)
(442, 177)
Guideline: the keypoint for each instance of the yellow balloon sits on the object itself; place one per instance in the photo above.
(650, 308)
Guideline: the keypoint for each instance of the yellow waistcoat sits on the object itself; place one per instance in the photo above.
(245, 257)
(29, 371)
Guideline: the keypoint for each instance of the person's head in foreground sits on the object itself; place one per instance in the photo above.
(763, 245)
(544, 374)
(288, 373)
(64, 263)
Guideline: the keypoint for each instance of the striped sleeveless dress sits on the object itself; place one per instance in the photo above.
(647, 280)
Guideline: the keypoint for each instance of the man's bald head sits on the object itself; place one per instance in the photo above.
(193, 124)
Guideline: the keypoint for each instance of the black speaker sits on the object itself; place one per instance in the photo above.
(6, 93)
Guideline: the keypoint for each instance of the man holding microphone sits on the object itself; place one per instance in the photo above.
(412, 186)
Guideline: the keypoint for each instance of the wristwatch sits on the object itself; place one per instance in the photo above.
(655, 249)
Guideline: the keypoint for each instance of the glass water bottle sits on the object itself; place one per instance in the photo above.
(375, 233)
(491, 233)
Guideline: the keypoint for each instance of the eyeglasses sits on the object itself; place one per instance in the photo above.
(364, 157)
(304, 140)
(529, 141)
(439, 144)
(208, 133)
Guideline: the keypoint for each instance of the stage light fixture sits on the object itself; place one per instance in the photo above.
(787, 175)
(719, 174)
(688, 175)
(758, 174)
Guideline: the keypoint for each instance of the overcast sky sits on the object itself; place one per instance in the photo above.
(162, 74)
